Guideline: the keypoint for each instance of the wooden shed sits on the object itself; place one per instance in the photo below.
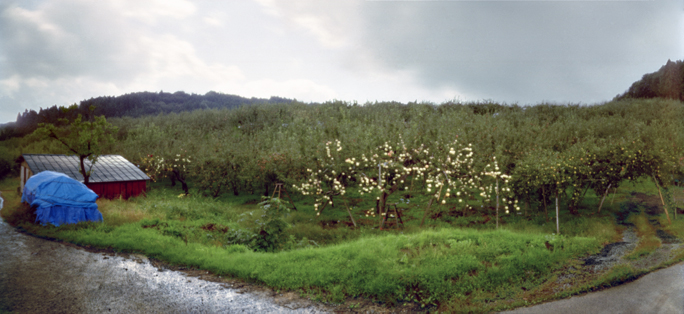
(112, 176)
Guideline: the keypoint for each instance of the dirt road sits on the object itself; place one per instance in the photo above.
(40, 276)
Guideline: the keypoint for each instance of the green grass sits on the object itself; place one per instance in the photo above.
(455, 261)
(648, 241)
(428, 267)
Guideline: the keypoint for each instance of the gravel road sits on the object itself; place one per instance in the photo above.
(41, 276)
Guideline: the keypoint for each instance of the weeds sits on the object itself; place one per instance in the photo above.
(648, 242)
(476, 269)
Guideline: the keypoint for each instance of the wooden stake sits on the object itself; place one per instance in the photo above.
(349, 211)
(413, 178)
(546, 211)
(382, 220)
(557, 219)
(661, 199)
(497, 203)
(674, 197)
(396, 211)
(278, 188)
(430, 204)
(604, 198)
(426, 211)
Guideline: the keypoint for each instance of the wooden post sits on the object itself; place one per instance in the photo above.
(350, 214)
(674, 192)
(430, 204)
(383, 217)
(662, 200)
(497, 203)
(426, 211)
(557, 212)
(604, 198)
(278, 188)
(399, 220)
(546, 211)
(413, 178)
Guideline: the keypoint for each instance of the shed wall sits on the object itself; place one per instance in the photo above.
(124, 189)
(24, 174)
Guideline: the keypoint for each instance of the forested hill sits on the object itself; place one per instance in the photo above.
(668, 82)
(130, 105)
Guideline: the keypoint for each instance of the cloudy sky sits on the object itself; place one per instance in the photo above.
(58, 52)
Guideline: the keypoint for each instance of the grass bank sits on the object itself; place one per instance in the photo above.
(456, 262)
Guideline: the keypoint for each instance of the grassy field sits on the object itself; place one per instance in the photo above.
(457, 261)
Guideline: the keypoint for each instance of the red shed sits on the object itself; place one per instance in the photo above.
(112, 176)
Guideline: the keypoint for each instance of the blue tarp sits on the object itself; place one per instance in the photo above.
(59, 199)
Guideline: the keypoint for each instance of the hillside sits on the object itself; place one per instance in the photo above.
(667, 82)
(130, 105)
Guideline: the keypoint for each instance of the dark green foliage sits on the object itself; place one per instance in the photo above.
(667, 82)
(269, 235)
(251, 148)
(87, 138)
(128, 105)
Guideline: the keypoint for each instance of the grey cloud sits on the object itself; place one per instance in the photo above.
(525, 51)
(67, 39)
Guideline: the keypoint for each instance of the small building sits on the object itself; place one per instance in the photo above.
(112, 176)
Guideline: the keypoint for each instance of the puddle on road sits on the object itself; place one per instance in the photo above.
(40, 276)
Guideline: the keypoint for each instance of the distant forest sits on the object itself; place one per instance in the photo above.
(129, 105)
(668, 82)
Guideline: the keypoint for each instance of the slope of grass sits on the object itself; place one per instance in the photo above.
(428, 267)
(476, 268)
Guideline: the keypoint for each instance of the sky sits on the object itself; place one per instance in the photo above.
(59, 52)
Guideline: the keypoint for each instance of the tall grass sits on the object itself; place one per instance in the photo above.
(438, 265)
(428, 267)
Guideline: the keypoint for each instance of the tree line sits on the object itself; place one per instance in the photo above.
(543, 151)
(667, 82)
(128, 105)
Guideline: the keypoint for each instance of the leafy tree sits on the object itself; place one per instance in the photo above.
(86, 139)
(667, 82)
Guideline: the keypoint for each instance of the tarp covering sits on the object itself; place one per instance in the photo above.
(59, 199)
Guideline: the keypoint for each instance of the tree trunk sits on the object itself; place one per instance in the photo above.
(662, 200)
(349, 211)
(426, 211)
(604, 198)
(180, 179)
(546, 211)
(217, 191)
(385, 195)
(84, 173)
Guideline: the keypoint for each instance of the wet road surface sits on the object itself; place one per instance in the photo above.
(658, 292)
(40, 276)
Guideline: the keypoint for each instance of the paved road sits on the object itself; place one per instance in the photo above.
(658, 292)
(40, 276)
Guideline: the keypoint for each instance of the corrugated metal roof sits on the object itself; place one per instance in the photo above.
(108, 168)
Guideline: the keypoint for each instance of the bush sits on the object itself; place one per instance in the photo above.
(269, 236)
